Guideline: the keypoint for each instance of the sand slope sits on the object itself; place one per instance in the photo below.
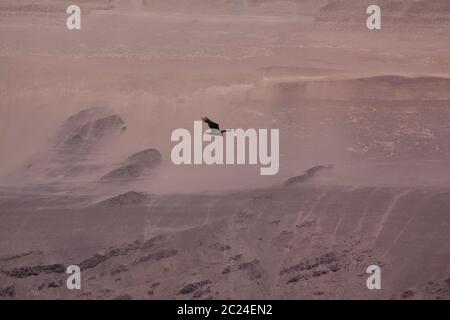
(85, 170)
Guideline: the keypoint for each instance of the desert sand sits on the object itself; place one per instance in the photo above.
(86, 177)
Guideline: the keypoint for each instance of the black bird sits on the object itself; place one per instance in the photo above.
(213, 125)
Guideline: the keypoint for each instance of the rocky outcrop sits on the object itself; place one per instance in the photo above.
(88, 130)
(306, 175)
(76, 146)
(128, 198)
(8, 292)
(191, 287)
(24, 272)
(135, 165)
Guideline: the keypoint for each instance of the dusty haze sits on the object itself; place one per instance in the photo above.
(85, 170)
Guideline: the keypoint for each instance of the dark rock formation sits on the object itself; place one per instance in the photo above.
(48, 284)
(135, 165)
(327, 258)
(97, 259)
(119, 269)
(252, 269)
(88, 130)
(76, 145)
(24, 272)
(129, 198)
(306, 175)
(8, 292)
(158, 255)
(189, 288)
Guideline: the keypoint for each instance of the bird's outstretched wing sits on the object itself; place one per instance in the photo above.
(210, 123)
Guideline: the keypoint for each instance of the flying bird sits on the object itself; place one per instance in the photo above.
(213, 126)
